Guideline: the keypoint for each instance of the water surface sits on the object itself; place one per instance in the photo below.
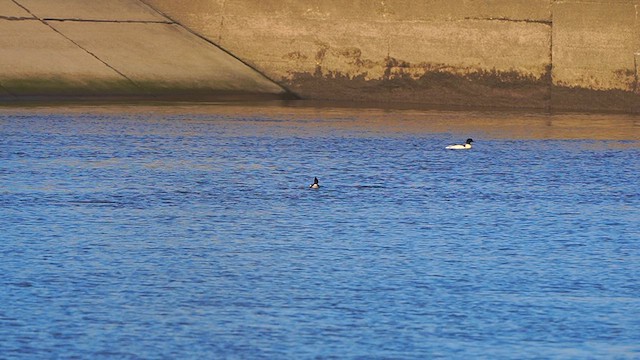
(189, 231)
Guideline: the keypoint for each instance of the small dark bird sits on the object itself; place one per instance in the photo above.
(315, 183)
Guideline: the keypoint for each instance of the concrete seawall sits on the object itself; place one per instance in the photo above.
(76, 48)
(540, 54)
(544, 54)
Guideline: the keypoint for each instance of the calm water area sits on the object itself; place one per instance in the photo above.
(190, 232)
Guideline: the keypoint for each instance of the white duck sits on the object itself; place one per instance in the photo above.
(465, 146)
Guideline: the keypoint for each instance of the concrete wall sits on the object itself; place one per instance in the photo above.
(116, 47)
(563, 54)
(543, 54)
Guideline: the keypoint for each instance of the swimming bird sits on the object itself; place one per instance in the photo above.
(465, 146)
(315, 183)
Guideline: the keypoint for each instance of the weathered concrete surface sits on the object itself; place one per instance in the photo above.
(35, 60)
(434, 52)
(163, 57)
(562, 54)
(116, 47)
(110, 10)
(593, 54)
(8, 9)
(595, 49)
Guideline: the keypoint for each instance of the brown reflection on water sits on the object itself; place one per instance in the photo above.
(309, 117)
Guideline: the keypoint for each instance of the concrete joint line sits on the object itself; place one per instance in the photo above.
(221, 30)
(110, 21)
(635, 73)
(531, 21)
(205, 39)
(16, 18)
(76, 44)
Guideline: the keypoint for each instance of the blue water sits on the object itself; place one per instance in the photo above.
(162, 233)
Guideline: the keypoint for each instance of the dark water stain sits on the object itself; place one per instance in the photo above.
(440, 84)
(581, 99)
(436, 85)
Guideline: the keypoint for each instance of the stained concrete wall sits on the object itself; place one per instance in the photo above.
(561, 54)
(116, 47)
(595, 49)
(543, 54)
(595, 54)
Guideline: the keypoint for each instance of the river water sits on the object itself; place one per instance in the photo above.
(190, 231)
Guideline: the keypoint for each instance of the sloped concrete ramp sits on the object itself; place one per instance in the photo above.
(78, 48)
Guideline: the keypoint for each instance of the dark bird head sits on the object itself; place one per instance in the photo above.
(469, 141)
